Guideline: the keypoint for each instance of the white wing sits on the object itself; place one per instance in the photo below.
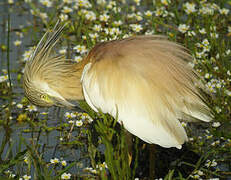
(126, 76)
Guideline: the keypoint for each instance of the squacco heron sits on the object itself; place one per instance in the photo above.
(147, 80)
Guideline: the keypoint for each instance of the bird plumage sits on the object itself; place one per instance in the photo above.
(145, 79)
(47, 73)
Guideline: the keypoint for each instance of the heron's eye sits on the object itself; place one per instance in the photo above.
(44, 97)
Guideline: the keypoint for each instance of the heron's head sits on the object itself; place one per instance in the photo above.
(36, 93)
(45, 78)
(40, 93)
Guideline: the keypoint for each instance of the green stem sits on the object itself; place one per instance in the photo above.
(8, 69)
(8, 52)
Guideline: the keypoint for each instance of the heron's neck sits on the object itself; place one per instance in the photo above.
(67, 82)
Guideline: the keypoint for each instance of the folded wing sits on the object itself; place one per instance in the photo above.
(146, 79)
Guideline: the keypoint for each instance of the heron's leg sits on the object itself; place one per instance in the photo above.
(152, 152)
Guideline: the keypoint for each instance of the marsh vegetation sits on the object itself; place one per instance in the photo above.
(56, 143)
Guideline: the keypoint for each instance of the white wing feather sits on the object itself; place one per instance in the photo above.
(147, 80)
(133, 114)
